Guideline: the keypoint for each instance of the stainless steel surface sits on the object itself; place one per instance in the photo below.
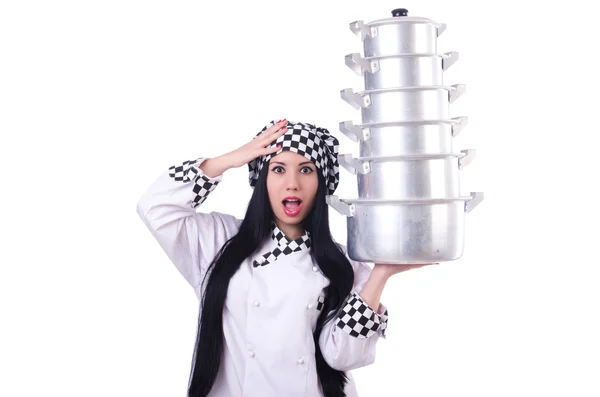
(401, 70)
(406, 231)
(392, 36)
(408, 176)
(404, 103)
(409, 207)
(410, 179)
(391, 139)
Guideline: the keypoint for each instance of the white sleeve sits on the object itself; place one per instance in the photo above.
(190, 239)
(348, 341)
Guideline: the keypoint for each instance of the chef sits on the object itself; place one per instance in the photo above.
(283, 310)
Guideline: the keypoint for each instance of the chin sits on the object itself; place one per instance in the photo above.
(290, 220)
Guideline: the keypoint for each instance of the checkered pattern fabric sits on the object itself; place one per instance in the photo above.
(285, 246)
(186, 172)
(314, 143)
(359, 320)
(180, 172)
(320, 302)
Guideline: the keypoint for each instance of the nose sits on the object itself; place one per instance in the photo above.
(292, 181)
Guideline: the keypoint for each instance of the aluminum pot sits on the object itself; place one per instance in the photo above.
(403, 70)
(405, 231)
(390, 139)
(398, 35)
(404, 103)
(409, 176)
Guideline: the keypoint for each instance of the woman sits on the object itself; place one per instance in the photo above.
(284, 311)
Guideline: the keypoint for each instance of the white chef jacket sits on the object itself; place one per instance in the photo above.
(270, 311)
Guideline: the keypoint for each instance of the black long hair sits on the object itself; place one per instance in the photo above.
(254, 228)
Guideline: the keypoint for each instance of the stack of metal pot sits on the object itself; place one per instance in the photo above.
(409, 208)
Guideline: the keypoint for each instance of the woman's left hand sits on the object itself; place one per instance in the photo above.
(391, 269)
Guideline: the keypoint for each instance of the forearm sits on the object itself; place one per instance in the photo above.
(348, 341)
(216, 166)
(373, 288)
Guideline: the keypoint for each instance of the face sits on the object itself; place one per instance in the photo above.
(292, 183)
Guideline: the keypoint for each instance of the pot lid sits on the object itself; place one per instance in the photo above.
(400, 15)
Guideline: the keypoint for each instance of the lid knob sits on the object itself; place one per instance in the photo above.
(400, 12)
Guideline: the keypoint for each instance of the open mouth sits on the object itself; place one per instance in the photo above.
(292, 206)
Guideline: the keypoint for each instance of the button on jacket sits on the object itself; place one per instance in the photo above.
(273, 300)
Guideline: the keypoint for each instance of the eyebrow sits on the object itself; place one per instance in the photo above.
(282, 163)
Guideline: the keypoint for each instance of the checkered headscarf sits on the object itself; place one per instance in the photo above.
(314, 143)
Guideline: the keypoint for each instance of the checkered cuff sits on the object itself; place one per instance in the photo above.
(358, 319)
(189, 171)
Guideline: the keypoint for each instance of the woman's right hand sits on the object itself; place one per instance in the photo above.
(243, 155)
(257, 146)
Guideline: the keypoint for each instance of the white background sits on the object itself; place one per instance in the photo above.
(99, 97)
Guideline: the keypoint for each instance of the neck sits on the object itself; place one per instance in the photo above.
(291, 231)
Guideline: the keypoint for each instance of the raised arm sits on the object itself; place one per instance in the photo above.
(169, 207)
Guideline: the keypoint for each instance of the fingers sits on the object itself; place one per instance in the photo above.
(272, 134)
(280, 123)
(277, 127)
(417, 266)
(396, 269)
(270, 150)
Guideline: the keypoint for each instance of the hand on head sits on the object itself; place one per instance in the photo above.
(258, 146)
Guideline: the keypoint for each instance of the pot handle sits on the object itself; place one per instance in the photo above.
(355, 100)
(360, 65)
(458, 123)
(354, 132)
(441, 29)
(449, 59)
(467, 158)
(476, 198)
(457, 92)
(360, 29)
(341, 206)
(353, 165)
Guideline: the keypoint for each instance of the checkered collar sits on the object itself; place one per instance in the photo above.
(285, 246)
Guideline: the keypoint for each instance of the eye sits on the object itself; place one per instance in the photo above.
(306, 170)
(277, 169)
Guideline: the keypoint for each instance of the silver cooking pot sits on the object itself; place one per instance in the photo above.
(417, 103)
(401, 70)
(406, 231)
(402, 138)
(398, 35)
(408, 176)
